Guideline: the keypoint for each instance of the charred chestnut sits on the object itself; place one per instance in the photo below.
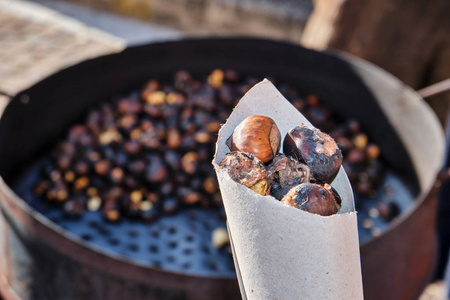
(316, 149)
(287, 171)
(314, 198)
(257, 135)
(248, 170)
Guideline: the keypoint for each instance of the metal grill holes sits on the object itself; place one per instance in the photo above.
(180, 242)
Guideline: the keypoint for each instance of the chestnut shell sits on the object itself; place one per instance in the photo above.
(314, 198)
(316, 149)
(257, 135)
(247, 170)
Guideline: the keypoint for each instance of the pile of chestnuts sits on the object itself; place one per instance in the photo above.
(148, 153)
(300, 177)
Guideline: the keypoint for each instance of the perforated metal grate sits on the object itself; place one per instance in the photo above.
(180, 243)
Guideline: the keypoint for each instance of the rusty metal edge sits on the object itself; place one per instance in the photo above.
(428, 203)
(56, 237)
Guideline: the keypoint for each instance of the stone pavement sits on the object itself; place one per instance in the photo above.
(130, 30)
(36, 41)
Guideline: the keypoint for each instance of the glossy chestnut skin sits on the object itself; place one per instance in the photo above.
(316, 149)
(257, 135)
(313, 198)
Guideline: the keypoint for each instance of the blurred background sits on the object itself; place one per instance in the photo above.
(409, 39)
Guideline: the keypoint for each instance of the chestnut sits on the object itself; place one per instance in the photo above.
(257, 135)
(189, 162)
(173, 138)
(41, 187)
(82, 168)
(102, 167)
(188, 196)
(175, 99)
(316, 149)
(132, 147)
(148, 212)
(94, 203)
(69, 176)
(215, 79)
(137, 167)
(156, 170)
(360, 141)
(110, 212)
(129, 105)
(388, 210)
(231, 75)
(210, 185)
(116, 176)
(213, 127)
(279, 192)
(219, 237)
(314, 198)
(74, 209)
(372, 151)
(248, 170)
(288, 171)
(81, 183)
(170, 206)
(63, 162)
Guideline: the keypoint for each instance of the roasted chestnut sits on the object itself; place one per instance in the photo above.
(316, 149)
(248, 170)
(288, 171)
(313, 198)
(257, 135)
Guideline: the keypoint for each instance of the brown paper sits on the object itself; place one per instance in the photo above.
(283, 252)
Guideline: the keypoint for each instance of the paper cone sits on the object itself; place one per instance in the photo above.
(282, 252)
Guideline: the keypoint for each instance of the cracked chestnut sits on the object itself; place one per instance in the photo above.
(316, 149)
(314, 198)
(247, 170)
